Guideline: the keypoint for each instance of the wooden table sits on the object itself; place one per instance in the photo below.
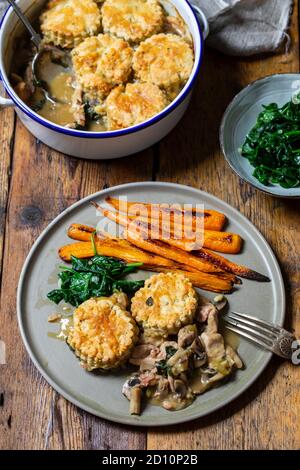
(37, 183)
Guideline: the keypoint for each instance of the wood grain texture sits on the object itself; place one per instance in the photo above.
(33, 415)
(266, 416)
(44, 182)
(7, 124)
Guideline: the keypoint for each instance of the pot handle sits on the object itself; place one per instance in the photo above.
(202, 19)
(4, 102)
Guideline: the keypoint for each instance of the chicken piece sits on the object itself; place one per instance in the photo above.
(214, 345)
(187, 335)
(205, 308)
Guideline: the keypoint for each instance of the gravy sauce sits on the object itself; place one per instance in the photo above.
(60, 80)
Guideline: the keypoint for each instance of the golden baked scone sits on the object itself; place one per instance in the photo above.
(134, 103)
(103, 332)
(133, 20)
(100, 63)
(167, 302)
(66, 23)
(164, 59)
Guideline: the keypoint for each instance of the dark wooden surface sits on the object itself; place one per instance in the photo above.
(37, 183)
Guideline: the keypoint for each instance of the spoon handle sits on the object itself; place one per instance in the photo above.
(35, 37)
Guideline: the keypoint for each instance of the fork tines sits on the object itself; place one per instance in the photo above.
(260, 332)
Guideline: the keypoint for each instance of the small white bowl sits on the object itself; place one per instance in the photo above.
(241, 115)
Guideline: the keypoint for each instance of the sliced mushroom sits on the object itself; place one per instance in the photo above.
(171, 383)
(180, 388)
(199, 360)
(133, 381)
(197, 346)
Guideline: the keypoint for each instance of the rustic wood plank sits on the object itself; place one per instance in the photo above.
(7, 124)
(44, 182)
(266, 416)
(32, 415)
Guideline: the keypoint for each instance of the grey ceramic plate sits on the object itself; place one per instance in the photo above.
(101, 394)
(240, 117)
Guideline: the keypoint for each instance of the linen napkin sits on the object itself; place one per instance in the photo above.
(247, 27)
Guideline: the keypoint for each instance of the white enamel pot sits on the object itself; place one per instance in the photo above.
(98, 145)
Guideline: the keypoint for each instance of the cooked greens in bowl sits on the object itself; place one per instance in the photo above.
(273, 145)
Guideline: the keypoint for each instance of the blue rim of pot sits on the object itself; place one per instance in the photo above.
(108, 134)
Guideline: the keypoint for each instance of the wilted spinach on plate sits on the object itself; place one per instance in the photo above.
(273, 145)
(93, 277)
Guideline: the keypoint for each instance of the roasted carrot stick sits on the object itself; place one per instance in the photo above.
(224, 242)
(116, 248)
(83, 233)
(80, 232)
(212, 220)
(227, 265)
(121, 249)
(162, 249)
(206, 255)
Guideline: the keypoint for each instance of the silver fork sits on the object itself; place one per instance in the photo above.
(267, 335)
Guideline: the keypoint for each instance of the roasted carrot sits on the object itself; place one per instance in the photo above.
(162, 249)
(123, 250)
(230, 277)
(116, 248)
(80, 232)
(223, 242)
(218, 261)
(227, 265)
(83, 233)
(212, 219)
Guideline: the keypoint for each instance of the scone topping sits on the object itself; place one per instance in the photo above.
(109, 64)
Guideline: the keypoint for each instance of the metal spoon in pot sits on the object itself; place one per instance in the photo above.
(37, 41)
